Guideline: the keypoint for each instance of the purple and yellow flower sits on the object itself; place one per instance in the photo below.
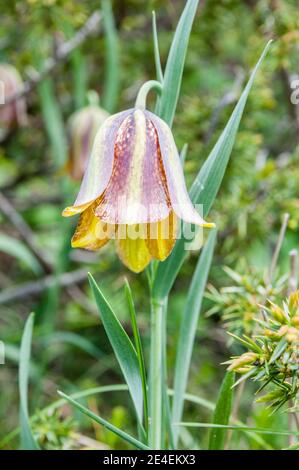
(12, 114)
(82, 128)
(133, 190)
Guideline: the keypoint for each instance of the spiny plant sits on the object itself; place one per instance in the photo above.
(239, 304)
(272, 356)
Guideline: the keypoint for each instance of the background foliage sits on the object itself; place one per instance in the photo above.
(70, 348)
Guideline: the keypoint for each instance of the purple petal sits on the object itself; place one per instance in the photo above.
(100, 164)
(137, 191)
(178, 193)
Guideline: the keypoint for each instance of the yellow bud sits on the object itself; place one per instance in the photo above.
(243, 360)
(271, 334)
(269, 397)
(278, 313)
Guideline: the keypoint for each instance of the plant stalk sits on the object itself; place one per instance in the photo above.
(140, 102)
(156, 374)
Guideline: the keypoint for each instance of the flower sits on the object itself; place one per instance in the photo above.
(133, 190)
(82, 128)
(13, 114)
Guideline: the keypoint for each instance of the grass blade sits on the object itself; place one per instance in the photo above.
(138, 347)
(122, 347)
(123, 388)
(222, 412)
(281, 346)
(240, 428)
(53, 121)
(27, 440)
(188, 327)
(175, 64)
(205, 187)
(112, 58)
(105, 423)
(159, 72)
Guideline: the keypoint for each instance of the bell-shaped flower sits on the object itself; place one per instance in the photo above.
(12, 114)
(133, 190)
(82, 128)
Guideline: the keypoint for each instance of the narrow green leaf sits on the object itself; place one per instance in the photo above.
(138, 347)
(120, 388)
(246, 342)
(166, 418)
(112, 58)
(222, 412)
(205, 187)
(183, 154)
(27, 439)
(159, 72)
(79, 75)
(19, 250)
(122, 347)
(105, 423)
(175, 64)
(239, 428)
(53, 121)
(280, 347)
(211, 406)
(188, 328)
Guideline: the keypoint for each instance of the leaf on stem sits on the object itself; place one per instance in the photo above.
(138, 347)
(205, 187)
(188, 328)
(175, 64)
(105, 423)
(122, 347)
(222, 412)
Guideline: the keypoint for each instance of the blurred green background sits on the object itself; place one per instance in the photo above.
(70, 349)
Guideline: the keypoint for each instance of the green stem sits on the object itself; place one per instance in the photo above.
(144, 90)
(156, 374)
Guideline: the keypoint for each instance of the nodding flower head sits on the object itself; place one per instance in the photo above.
(11, 114)
(133, 190)
(82, 128)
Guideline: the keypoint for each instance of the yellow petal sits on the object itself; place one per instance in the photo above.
(90, 232)
(161, 237)
(133, 252)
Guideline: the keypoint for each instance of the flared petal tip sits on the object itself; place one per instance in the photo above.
(69, 211)
(74, 210)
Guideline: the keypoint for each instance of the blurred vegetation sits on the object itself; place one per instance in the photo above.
(70, 349)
